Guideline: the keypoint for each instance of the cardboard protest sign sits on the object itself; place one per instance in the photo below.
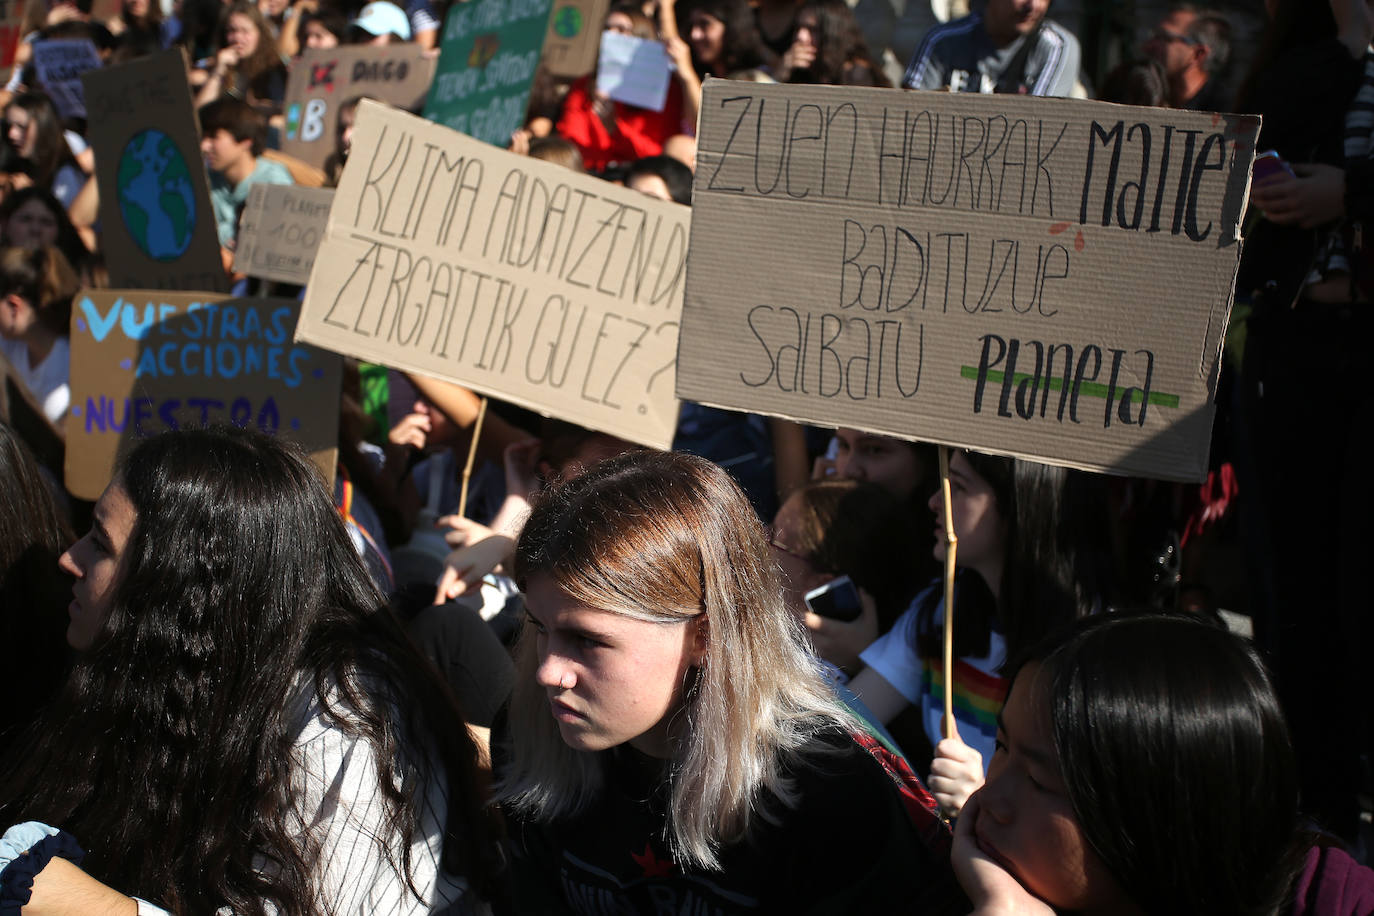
(572, 41)
(487, 58)
(59, 65)
(521, 279)
(281, 230)
(147, 361)
(1038, 277)
(157, 226)
(321, 81)
(633, 71)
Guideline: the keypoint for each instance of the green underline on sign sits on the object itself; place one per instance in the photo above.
(1088, 389)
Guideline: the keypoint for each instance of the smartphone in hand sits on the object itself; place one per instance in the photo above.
(1269, 163)
(837, 599)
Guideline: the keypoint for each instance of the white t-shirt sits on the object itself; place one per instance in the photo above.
(48, 380)
(340, 804)
(979, 690)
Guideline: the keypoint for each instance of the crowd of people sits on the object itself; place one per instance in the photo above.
(708, 679)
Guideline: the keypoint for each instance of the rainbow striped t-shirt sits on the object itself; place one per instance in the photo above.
(979, 690)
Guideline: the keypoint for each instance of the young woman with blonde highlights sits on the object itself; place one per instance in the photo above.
(672, 741)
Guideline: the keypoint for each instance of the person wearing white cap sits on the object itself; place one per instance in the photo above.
(381, 23)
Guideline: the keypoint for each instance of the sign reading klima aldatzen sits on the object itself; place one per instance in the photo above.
(1038, 277)
(519, 278)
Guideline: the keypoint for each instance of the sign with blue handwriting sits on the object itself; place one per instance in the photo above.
(145, 361)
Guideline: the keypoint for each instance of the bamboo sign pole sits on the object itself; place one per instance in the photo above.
(472, 455)
(951, 547)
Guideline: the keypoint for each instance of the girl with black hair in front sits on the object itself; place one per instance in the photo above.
(1143, 767)
(1033, 553)
(247, 726)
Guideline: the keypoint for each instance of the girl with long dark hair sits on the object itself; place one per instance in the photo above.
(33, 129)
(1143, 767)
(33, 591)
(829, 48)
(247, 726)
(247, 64)
(1033, 554)
(723, 37)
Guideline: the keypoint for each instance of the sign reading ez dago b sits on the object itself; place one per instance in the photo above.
(1039, 277)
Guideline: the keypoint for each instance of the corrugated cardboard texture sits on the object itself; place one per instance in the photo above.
(146, 361)
(321, 81)
(157, 227)
(521, 279)
(487, 58)
(280, 231)
(1045, 278)
(574, 35)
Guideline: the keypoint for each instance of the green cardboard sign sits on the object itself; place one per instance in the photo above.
(487, 58)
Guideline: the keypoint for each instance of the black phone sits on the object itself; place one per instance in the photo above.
(837, 599)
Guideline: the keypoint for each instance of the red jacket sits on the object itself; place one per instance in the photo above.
(639, 132)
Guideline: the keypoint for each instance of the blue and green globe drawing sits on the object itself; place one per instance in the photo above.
(567, 22)
(156, 197)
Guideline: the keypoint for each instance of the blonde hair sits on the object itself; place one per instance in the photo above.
(663, 538)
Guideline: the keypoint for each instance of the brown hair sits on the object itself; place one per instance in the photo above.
(45, 279)
(237, 117)
(250, 72)
(559, 151)
(856, 529)
(641, 26)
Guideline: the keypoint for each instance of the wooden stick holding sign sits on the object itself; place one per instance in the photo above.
(472, 455)
(951, 547)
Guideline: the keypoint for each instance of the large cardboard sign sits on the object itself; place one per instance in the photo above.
(147, 361)
(281, 230)
(571, 43)
(157, 226)
(321, 81)
(521, 279)
(59, 65)
(1037, 277)
(486, 64)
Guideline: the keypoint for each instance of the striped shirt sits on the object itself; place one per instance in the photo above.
(342, 808)
(979, 690)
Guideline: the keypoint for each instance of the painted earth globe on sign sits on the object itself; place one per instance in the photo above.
(567, 22)
(156, 197)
